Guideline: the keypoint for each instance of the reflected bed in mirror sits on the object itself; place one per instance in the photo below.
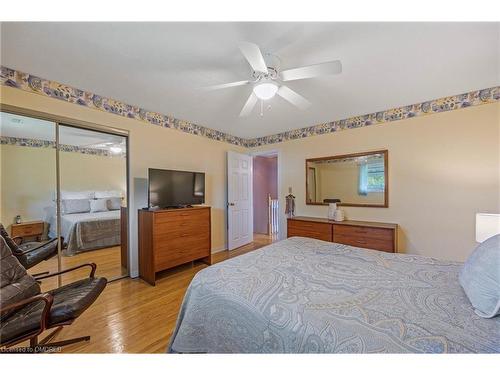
(355, 179)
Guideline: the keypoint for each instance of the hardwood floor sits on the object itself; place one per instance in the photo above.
(107, 260)
(131, 316)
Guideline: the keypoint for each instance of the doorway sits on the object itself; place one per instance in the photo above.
(266, 206)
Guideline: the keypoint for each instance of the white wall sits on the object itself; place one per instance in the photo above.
(443, 168)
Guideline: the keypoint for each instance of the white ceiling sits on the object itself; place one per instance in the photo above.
(26, 127)
(160, 66)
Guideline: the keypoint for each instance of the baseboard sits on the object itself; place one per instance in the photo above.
(218, 249)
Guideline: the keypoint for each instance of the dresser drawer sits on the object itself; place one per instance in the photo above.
(21, 230)
(182, 249)
(171, 235)
(171, 217)
(177, 227)
(363, 232)
(365, 242)
(320, 231)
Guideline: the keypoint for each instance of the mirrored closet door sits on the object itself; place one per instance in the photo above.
(28, 180)
(64, 187)
(93, 191)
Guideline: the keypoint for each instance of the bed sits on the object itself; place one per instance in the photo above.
(88, 231)
(303, 295)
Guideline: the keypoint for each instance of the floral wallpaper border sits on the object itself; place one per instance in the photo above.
(40, 143)
(449, 103)
(31, 83)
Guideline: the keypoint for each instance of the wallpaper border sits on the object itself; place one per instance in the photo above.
(448, 103)
(40, 143)
(31, 83)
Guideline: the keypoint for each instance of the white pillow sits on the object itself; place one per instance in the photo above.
(86, 194)
(98, 205)
(114, 203)
(75, 206)
(480, 278)
(108, 194)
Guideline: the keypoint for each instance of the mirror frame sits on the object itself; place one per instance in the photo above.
(385, 204)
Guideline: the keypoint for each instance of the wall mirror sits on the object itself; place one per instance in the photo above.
(355, 179)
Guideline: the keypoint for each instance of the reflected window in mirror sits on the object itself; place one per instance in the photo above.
(355, 179)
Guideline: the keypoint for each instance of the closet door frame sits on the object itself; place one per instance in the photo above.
(65, 121)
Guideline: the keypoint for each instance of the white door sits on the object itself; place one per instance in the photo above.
(239, 205)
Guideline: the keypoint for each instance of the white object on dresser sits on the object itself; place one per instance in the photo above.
(338, 215)
(332, 207)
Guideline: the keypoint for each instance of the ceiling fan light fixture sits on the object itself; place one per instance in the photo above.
(265, 91)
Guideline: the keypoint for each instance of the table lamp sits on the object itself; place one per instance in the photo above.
(487, 225)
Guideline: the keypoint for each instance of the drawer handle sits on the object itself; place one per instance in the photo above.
(184, 235)
(361, 242)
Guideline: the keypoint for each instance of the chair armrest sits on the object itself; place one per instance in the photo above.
(52, 242)
(47, 298)
(91, 265)
(17, 238)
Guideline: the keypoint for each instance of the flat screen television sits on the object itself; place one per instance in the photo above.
(168, 188)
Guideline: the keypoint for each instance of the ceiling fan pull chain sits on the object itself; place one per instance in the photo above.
(261, 108)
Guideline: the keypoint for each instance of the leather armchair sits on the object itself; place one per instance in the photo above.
(25, 312)
(30, 253)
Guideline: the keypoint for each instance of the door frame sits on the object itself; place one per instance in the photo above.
(66, 121)
(281, 216)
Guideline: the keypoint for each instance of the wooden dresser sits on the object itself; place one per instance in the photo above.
(366, 234)
(28, 229)
(168, 238)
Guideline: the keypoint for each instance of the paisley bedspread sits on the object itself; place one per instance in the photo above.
(303, 295)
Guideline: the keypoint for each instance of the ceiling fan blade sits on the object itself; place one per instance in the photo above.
(331, 67)
(225, 85)
(294, 98)
(247, 108)
(254, 57)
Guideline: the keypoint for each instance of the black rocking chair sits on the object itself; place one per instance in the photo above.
(30, 253)
(25, 312)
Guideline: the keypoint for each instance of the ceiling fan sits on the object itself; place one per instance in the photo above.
(267, 78)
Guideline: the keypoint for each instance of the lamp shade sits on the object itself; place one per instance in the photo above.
(487, 225)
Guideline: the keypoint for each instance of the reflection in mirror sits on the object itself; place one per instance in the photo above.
(356, 179)
(93, 183)
(28, 190)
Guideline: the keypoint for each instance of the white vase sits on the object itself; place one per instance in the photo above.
(332, 207)
(338, 215)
